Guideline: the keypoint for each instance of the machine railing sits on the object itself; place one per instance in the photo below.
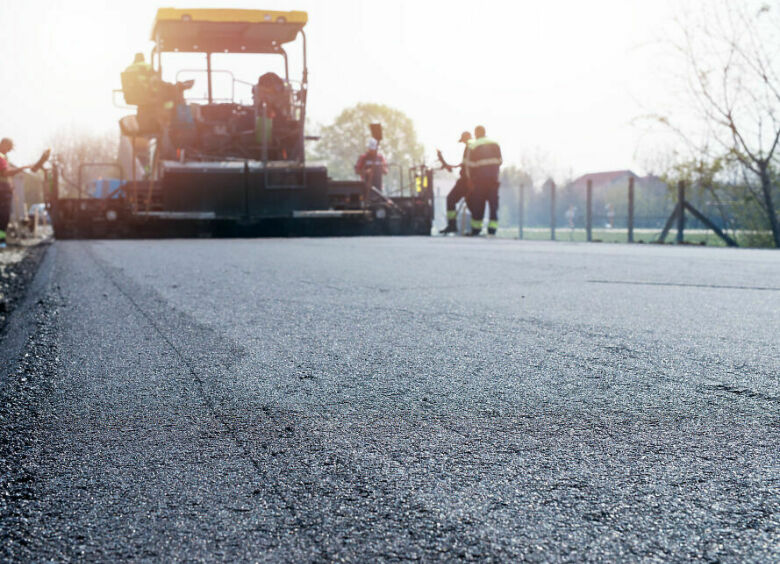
(233, 81)
(295, 87)
(84, 166)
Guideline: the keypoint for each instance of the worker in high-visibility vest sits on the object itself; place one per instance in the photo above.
(140, 83)
(141, 86)
(6, 191)
(154, 97)
(140, 65)
(483, 162)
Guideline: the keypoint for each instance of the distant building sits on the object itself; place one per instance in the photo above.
(652, 204)
(602, 179)
(619, 179)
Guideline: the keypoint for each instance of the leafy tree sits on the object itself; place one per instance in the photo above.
(734, 82)
(723, 185)
(343, 141)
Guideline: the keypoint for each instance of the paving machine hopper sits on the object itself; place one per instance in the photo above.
(214, 164)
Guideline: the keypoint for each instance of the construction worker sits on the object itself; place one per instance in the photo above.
(483, 162)
(140, 82)
(462, 187)
(6, 191)
(371, 165)
(154, 97)
(140, 65)
(141, 87)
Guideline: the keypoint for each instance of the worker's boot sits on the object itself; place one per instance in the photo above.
(452, 227)
(475, 232)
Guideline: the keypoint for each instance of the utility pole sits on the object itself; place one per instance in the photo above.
(681, 214)
(520, 210)
(552, 210)
(631, 209)
(589, 211)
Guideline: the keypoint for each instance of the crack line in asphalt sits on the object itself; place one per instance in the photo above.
(199, 381)
(685, 285)
(742, 391)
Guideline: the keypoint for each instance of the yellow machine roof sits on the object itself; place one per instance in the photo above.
(218, 30)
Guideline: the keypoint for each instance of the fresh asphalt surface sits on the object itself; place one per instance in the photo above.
(395, 398)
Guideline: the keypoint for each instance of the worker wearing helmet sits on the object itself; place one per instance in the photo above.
(141, 87)
(155, 98)
(462, 187)
(483, 163)
(371, 165)
(140, 83)
(140, 65)
(6, 192)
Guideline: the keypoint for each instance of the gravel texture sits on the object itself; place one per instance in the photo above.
(394, 399)
(18, 264)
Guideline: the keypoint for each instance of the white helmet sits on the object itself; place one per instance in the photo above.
(373, 144)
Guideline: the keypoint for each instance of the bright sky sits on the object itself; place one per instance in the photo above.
(564, 78)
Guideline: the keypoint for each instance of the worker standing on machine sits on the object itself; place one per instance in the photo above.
(143, 75)
(462, 188)
(155, 98)
(6, 191)
(141, 87)
(483, 162)
(371, 165)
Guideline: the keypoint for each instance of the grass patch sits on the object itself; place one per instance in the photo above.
(692, 236)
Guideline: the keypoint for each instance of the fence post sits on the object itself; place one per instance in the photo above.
(552, 211)
(520, 210)
(589, 211)
(681, 211)
(631, 209)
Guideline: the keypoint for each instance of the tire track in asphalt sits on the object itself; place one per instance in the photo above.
(207, 400)
(289, 473)
(685, 285)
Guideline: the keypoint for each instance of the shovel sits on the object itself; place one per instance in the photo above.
(42, 161)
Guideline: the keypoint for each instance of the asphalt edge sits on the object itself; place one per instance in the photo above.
(22, 322)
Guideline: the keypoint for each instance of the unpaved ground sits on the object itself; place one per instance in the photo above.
(18, 263)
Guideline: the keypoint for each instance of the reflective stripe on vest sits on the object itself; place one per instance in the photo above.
(142, 71)
(477, 147)
(484, 162)
(140, 67)
(474, 143)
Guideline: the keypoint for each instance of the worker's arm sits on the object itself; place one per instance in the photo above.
(8, 173)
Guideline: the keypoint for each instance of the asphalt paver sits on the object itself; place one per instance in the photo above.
(394, 399)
